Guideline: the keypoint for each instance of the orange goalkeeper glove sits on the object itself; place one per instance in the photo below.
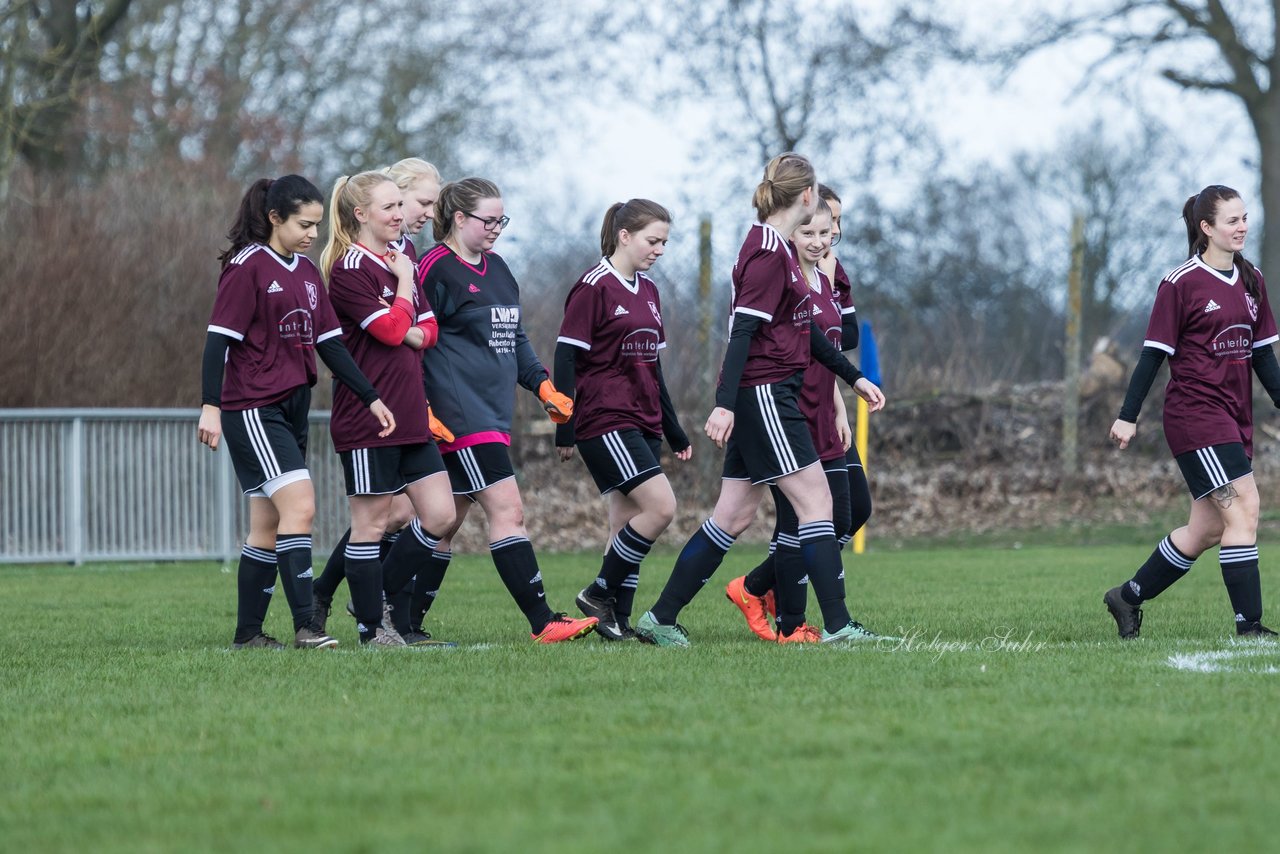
(559, 408)
(439, 432)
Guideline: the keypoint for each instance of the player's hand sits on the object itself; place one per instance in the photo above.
(845, 434)
(559, 407)
(827, 264)
(685, 455)
(870, 392)
(565, 453)
(385, 418)
(439, 432)
(401, 265)
(1122, 433)
(719, 426)
(210, 429)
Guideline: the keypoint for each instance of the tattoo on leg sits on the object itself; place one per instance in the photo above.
(1223, 495)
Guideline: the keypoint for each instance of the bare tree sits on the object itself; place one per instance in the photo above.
(1200, 46)
(51, 53)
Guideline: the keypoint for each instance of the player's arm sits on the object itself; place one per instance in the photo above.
(345, 370)
(849, 329)
(566, 378)
(833, 360)
(1140, 382)
(842, 418)
(1268, 371)
(209, 430)
(671, 429)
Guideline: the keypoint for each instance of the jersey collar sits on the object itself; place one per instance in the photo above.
(633, 287)
(1230, 280)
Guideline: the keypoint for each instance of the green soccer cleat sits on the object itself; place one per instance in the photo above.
(855, 632)
(649, 630)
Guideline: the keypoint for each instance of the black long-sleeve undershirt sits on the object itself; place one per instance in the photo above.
(849, 332)
(1144, 374)
(211, 366)
(735, 358)
(1268, 371)
(566, 381)
(671, 429)
(345, 370)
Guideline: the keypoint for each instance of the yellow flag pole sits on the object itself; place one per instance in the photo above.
(860, 442)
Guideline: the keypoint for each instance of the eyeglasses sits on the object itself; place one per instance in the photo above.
(491, 223)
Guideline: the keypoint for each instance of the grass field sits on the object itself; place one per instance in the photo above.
(127, 725)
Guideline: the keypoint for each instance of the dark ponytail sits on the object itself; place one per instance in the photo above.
(1203, 207)
(629, 216)
(284, 195)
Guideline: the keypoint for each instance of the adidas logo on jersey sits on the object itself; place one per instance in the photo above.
(275, 288)
(1212, 306)
(619, 311)
(473, 289)
(386, 291)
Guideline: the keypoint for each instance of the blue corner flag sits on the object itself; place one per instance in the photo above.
(870, 361)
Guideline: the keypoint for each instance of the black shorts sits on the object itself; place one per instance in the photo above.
(478, 467)
(851, 458)
(1213, 467)
(389, 469)
(268, 444)
(770, 438)
(621, 460)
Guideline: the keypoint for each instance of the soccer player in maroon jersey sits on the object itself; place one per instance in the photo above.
(482, 353)
(757, 419)
(1213, 321)
(823, 407)
(419, 183)
(270, 317)
(386, 322)
(851, 503)
(607, 360)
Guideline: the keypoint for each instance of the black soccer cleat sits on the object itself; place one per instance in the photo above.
(321, 616)
(592, 605)
(624, 626)
(1254, 629)
(262, 641)
(1128, 617)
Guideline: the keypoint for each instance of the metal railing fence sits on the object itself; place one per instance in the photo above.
(81, 485)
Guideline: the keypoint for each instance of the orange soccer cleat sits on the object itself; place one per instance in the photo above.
(752, 607)
(805, 634)
(564, 628)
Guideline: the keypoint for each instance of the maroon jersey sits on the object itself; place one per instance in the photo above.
(277, 312)
(404, 244)
(767, 283)
(1209, 326)
(844, 290)
(817, 395)
(617, 327)
(362, 287)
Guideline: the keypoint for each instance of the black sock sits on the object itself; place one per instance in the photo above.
(255, 582)
(518, 567)
(859, 500)
(364, 580)
(1244, 586)
(698, 561)
(761, 580)
(626, 551)
(821, 555)
(408, 555)
(426, 585)
(841, 508)
(1165, 566)
(293, 557)
(388, 543)
(791, 592)
(626, 598)
(335, 569)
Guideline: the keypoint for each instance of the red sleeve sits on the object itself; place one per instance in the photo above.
(389, 328)
(430, 332)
